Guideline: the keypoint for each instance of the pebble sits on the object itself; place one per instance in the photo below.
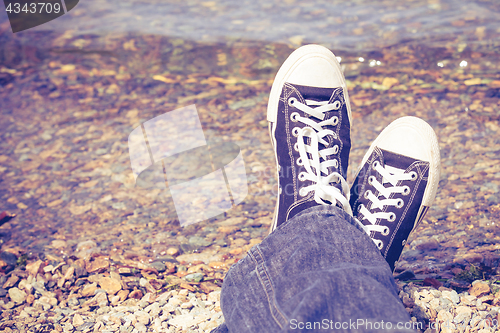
(77, 320)
(136, 294)
(89, 289)
(110, 285)
(73, 301)
(142, 317)
(8, 258)
(58, 244)
(34, 267)
(451, 295)
(159, 266)
(150, 313)
(16, 295)
(197, 241)
(99, 264)
(48, 268)
(85, 249)
(11, 282)
(463, 314)
(479, 289)
(172, 251)
(195, 277)
(100, 300)
(429, 305)
(69, 273)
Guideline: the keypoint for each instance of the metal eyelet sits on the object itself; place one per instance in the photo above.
(413, 175)
(367, 193)
(336, 149)
(293, 116)
(376, 164)
(392, 218)
(371, 179)
(337, 105)
(302, 192)
(299, 161)
(295, 131)
(302, 176)
(400, 203)
(385, 232)
(380, 244)
(335, 120)
(406, 190)
(291, 101)
(360, 207)
(336, 165)
(296, 146)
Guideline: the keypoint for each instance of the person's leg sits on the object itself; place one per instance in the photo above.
(319, 268)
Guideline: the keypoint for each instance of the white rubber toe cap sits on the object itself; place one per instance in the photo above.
(309, 65)
(413, 137)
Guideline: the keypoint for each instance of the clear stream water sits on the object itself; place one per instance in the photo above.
(347, 25)
(353, 27)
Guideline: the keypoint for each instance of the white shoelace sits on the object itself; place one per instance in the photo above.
(315, 131)
(387, 177)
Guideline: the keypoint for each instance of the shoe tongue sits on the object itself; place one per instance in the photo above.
(396, 163)
(314, 93)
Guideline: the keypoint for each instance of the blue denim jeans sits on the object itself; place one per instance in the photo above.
(318, 272)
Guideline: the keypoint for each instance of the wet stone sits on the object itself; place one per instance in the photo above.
(172, 251)
(195, 277)
(8, 258)
(158, 265)
(197, 241)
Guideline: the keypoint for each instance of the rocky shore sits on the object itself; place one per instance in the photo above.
(97, 293)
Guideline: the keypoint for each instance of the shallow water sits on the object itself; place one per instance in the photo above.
(72, 91)
(354, 25)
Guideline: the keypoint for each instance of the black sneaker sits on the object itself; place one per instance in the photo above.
(396, 184)
(309, 122)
